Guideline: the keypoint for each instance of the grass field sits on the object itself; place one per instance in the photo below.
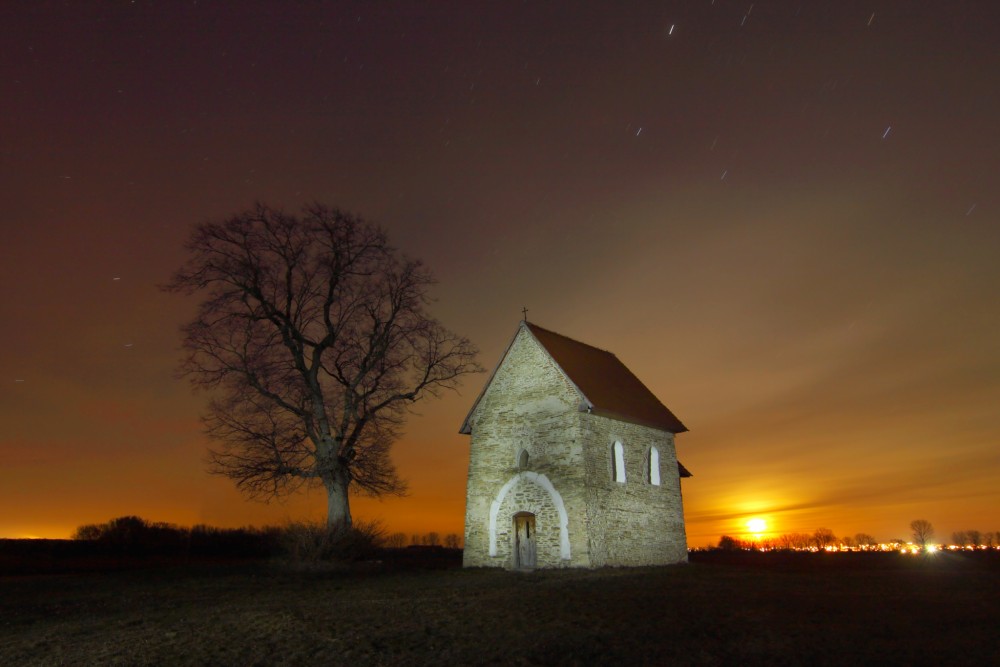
(718, 610)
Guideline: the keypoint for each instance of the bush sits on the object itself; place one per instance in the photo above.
(247, 542)
(132, 535)
(305, 542)
(729, 543)
(88, 532)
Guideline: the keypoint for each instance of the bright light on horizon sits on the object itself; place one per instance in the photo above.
(757, 525)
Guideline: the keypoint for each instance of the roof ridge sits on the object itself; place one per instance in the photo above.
(532, 325)
(606, 383)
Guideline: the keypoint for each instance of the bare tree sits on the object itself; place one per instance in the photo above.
(988, 538)
(452, 541)
(959, 538)
(396, 541)
(823, 537)
(864, 540)
(974, 538)
(433, 539)
(785, 541)
(791, 541)
(314, 336)
(730, 543)
(90, 531)
(922, 531)
(801, 540)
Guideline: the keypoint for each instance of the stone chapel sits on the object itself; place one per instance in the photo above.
(572, 462)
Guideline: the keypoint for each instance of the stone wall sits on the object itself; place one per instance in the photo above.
(632, 523)
(529, 405)
(526, 495)
(567, 481)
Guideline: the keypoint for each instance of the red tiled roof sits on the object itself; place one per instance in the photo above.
(607, 384)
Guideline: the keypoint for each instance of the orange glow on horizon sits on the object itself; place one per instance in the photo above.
(826, 332)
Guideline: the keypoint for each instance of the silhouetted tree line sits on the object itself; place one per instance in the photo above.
(820, 539)
(922, 532)
(131, 541)
(134, 535)
(431, 539)
(298, 541)
(975, 538)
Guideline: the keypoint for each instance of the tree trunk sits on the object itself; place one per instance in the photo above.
(338, 504)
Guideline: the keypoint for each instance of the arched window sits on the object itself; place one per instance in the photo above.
(654, 466)
(522, 460)
(618, 456)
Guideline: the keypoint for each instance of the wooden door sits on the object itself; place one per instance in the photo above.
(524, 541)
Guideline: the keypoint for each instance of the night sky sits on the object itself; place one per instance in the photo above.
(784, 217)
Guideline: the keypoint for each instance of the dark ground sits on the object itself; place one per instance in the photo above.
(718, 610)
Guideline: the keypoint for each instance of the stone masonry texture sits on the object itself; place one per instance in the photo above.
(567, 481)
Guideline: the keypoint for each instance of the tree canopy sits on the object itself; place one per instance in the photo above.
(922, 531)
(314, 337)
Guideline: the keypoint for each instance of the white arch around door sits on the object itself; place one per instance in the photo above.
(543, 482)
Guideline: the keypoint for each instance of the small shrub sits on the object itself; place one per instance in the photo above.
(396, 541)
(305, 542)
(132, 535)
(729, 543)
(88, 532)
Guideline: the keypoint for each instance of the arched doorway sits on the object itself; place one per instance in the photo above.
(524, 541)
(535, 495)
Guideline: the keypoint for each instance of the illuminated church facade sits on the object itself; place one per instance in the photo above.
(572, 462)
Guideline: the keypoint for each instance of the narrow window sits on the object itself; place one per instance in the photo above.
(619, 462)
(654, 466)
(522, 460)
